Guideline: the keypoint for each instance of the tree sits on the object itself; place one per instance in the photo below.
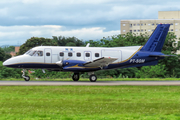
(69, 41)
(152, 71)
(171, 63)
(35, 41)
(71, 44)
(8, 49)
(7, 56)
(120, 40)
(2, 54)
(9, 72)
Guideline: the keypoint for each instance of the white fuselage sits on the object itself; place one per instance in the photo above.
(51, 54)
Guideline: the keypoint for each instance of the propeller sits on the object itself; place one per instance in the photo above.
(60, 62)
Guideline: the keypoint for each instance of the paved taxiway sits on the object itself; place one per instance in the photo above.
(87, 83)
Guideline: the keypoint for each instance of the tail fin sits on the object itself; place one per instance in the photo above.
(157, 38)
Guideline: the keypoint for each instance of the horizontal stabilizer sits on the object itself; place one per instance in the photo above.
(104, 61)
(161, 55)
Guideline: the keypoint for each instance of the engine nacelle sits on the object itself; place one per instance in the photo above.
(66, 63)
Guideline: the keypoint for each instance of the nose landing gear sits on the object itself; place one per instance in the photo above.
(26, 78)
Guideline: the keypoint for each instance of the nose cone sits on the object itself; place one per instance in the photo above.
(14, 62)
(11, 62)
(6, 63)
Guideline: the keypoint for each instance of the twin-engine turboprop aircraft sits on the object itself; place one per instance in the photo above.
(90, 59)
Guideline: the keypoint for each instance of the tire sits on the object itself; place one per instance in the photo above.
(93, 78)
(27, 78)
(75, 77)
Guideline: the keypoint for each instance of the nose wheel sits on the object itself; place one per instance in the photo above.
(26, 78)
(75, 77)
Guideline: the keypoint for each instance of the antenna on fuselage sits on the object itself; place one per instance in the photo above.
(88, 45)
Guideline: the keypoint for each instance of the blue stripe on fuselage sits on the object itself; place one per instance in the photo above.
(34, 66)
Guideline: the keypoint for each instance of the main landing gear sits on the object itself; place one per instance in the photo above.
(92, 77)
(26, 78)
(75, 76)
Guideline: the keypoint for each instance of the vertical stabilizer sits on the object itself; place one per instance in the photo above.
(156, 40)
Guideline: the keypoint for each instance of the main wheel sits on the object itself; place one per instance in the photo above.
(27, 78)
(75, 77)
(93, 78)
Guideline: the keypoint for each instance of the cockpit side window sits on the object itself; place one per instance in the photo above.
(38, 53)
(35, 54)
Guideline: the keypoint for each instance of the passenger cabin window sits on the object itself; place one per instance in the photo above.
(87, 54)
(61, 54)
(48, 54)
(96, 54)
(78, 54)
(70, 54)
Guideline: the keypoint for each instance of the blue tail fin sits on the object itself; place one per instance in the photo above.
(156, 40)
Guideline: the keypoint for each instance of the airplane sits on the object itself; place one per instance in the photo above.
(91, 59)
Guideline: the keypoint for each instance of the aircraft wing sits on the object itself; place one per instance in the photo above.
(104, 61)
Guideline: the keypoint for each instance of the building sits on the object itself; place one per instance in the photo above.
(16, 50)
(169, 15)
(148, 26)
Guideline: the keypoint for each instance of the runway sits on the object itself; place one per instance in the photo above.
(88, 83)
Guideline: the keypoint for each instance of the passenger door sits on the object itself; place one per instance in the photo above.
(48, 55)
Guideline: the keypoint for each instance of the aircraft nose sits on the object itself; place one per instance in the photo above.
(5, 63)
(13, 62)
(9, 62)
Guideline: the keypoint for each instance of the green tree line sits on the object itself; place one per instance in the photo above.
(168, 67)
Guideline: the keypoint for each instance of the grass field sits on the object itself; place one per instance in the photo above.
(89, 102)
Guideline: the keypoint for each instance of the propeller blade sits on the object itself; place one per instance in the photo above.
(60, 63)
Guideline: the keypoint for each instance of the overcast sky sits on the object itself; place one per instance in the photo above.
(84, 19)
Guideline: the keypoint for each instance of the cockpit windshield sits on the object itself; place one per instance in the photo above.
(34, 53)
(28, 52)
